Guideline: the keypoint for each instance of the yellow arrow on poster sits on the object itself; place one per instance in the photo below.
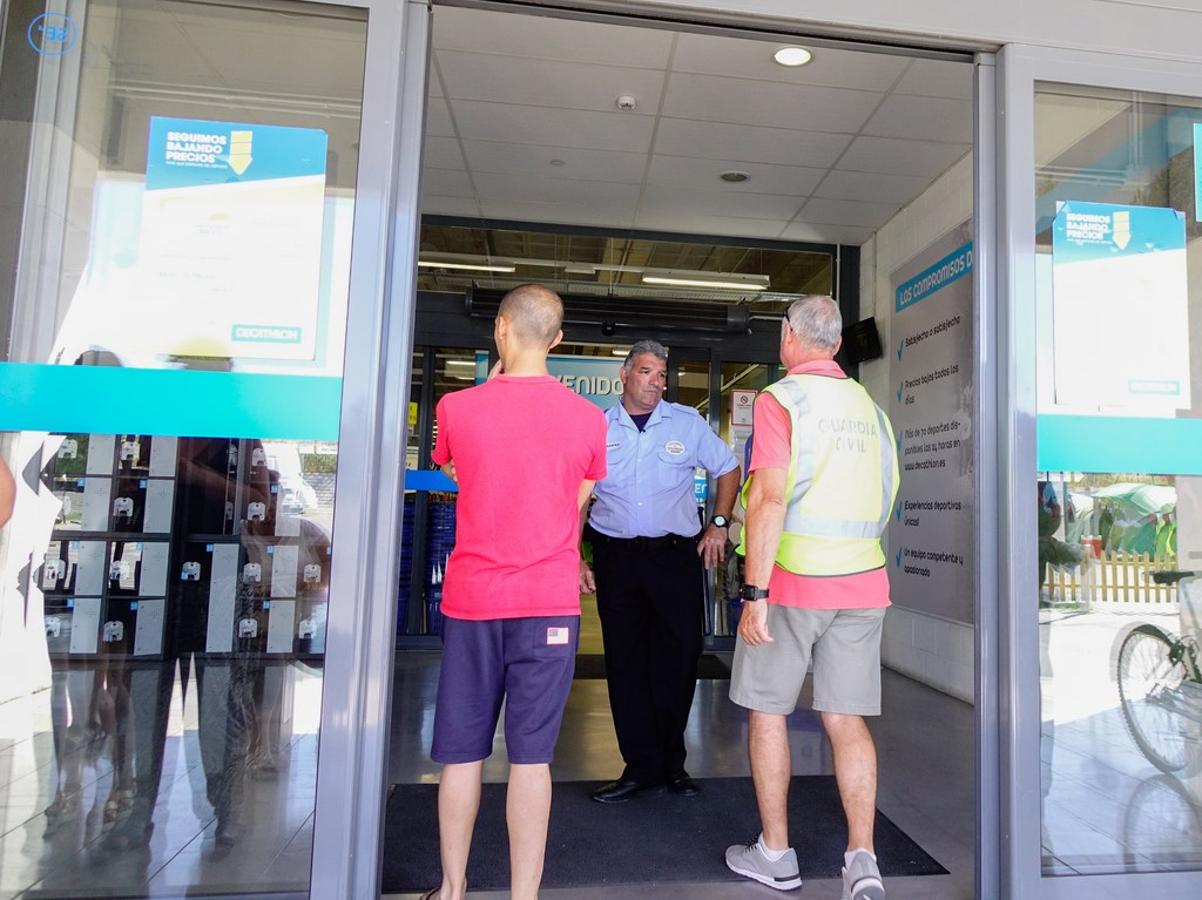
(240, 147)
(1122, 229)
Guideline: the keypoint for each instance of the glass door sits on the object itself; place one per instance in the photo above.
(1103, 166)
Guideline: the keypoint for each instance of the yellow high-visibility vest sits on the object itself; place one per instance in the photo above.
(842, 479)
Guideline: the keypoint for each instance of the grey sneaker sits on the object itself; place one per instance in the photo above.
(862, 879)
(750, 862)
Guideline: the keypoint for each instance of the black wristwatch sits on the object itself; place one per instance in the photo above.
(751, 592)
(720, 521)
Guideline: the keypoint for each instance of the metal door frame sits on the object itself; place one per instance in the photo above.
(1020, 68)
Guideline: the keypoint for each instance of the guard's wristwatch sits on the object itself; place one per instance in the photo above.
(751, 592)
(720, 521)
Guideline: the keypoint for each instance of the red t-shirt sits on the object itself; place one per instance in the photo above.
(521, 447)
(771, 448)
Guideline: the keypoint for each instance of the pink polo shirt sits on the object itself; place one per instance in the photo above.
(771, 448)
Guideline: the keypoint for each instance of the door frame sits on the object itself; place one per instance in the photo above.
(1020, 68)
(352, 765)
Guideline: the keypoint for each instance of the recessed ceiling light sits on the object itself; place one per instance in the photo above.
(731, 285)
(466, 267)
(792, 56)
(734, 176)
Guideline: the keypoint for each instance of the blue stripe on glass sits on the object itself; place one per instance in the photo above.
(428, 480)
(1119, 444)
(116, 400)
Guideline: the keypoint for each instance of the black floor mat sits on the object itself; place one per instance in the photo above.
(652, 839)
(592, 665)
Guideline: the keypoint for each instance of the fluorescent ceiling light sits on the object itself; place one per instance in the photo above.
(693, 281)
(792, 56)
(467, 267)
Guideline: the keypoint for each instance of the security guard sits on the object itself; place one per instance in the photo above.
(648, 551)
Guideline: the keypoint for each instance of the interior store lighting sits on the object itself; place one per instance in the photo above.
(690, 281)
(466, 267)
(792, 56)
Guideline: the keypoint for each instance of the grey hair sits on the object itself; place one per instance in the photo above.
(816, 320)
(655, 348)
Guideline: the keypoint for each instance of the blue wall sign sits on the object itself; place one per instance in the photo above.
(52, 34)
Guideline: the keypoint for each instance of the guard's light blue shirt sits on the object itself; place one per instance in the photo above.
(649, 489)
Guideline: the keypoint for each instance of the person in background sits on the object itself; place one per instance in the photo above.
(823, 482)
(525, 452)
(648, 552)
(8, 493)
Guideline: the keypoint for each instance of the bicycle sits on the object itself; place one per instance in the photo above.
(1160, 685)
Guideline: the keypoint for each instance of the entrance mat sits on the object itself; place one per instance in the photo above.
(592, 665)
(651, 839)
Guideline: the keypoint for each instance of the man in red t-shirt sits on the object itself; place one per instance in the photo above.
(525, 452)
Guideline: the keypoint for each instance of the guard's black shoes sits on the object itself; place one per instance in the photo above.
(683, 784)
(622, 790)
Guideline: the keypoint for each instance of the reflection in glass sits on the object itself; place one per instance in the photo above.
(1118, 500)
(164, 634)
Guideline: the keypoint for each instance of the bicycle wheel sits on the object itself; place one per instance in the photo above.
(1149, 687)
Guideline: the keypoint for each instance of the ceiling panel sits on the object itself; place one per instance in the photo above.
(447, 183)
(937, 78)
(664, 199)
(539, 82)
(896, 157)
(922, 119)
(435, 205)
(557, 162)
(442, 153)
(897, 189)
(833, 149)
(712, 98)
(763, 229)
(793, 181)
(553, 127)
(438, 118)
(718, 55)
(684, 137)
(826, 234)
(532, 36)
(822, 211)
(556, 190)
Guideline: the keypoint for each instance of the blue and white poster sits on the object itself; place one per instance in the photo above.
(595, 378)
(231, 239)
(1120, 308)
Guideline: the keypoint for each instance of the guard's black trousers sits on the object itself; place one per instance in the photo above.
(649, 595)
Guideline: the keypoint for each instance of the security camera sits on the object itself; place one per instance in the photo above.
(609, 328)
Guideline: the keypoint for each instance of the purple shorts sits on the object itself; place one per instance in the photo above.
(529, 663)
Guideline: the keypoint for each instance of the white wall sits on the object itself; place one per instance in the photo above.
(935, 651)
(1159, 28)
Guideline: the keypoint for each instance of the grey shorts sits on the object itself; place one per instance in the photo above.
(845, 645)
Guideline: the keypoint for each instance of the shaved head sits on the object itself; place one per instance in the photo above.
(534, 312)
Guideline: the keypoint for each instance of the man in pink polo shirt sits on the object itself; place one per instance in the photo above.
(526, 452)
(822, 486)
